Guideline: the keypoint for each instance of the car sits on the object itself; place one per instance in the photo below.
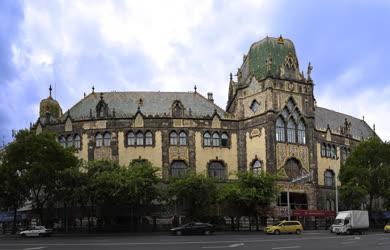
(193, 228)
(285, 227)
(36, 231)
(387, 228)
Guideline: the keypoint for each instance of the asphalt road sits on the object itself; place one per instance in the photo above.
(259, 241)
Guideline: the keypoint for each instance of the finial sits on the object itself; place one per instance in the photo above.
(374, 127)
(93, 89)
(309, 69)
(195, 88)
(280, 40)
(84, 94)
(363, 117)
(101, 96)
(231, 76)
(50, 89)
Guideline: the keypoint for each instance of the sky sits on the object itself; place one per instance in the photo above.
(173, 45)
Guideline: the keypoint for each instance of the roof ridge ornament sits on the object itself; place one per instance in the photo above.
(50, 89)
(280, 40)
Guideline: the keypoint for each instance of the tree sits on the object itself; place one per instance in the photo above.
(352, 195)
(368, 168)
(40, 160)
(197, 192)
(13, 191)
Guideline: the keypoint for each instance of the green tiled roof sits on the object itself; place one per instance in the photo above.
(275, 48)
(153, 103)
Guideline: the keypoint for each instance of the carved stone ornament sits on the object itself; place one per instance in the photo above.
(255, 132)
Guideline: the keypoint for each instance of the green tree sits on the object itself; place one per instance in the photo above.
(196, 192)
(368, 167)
(352, 195)
(41, 161)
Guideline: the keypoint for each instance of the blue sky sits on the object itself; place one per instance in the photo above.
(172, 45)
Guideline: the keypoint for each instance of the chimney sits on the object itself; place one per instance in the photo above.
(210, 96)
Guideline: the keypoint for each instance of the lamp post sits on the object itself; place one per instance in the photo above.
(337, 193)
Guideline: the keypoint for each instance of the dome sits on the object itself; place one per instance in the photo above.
(273, 57)
(51, 106)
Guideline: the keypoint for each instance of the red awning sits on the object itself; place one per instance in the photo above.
(313, 213)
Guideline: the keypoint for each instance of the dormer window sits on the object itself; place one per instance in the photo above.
(177, 109)
(254, 106)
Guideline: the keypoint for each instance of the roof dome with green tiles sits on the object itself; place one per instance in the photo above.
(273, 57)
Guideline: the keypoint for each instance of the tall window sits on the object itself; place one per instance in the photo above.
(256, 167)
(148, 138)
(77, 141)
(224, 140)
(69, 141)
(329, 178)
(333, 152)
(301, 133)
(173, 138)
(280, 136)
(99, 140)
(328, 151)
(291, 131)
(107, 139)
(207, 139)
(323, 149)
(216, 139)
(178, 169)
(130, 139)
(217, 170)
(62, 141)
(140, 138)
(182, 138)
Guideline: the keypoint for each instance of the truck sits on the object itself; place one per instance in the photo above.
(351, 222)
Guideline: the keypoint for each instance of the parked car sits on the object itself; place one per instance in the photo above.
(387, 228)
(193, 228)
(285, 227)
(36, 231)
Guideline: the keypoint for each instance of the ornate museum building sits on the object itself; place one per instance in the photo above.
(271, 123)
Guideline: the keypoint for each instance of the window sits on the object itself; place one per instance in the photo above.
(224, 140)
(207, 139)
(216, 139)
(329, 178)
(62, 141)
(328, 152)
(77, 141)
(323, 149)
(69, 141)
(293, 168)
(99, 140)
(290, 105)
(182, 138)
(148, 138)
(173, 138)
(178, 169)
(177, 109)
(217, 170)
(107, 139)
(256, 167)
(291, 131)
(333, 152)
(254, 106)
(130, 139)
(285, 113)
(301, 133)
(140, 138)
(280, 136)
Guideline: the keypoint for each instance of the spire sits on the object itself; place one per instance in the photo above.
(50, 89)
(93, 89)
(231, 76)
(195, 88)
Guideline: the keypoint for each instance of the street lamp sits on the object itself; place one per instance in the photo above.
(302, 178)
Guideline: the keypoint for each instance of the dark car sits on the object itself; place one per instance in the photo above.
(193, 228)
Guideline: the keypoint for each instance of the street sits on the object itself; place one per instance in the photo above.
(244, 240)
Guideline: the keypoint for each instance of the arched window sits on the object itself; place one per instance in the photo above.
(99, 140)
(148, 138)
(290, 105)
(178, 169)
(329, 178)
(285, 113)
(323, 149)
(293, 168)
(207, 139)
(301, 133)
(333, 152)
(216, 141)
(280, 133)
(173, 138)
(291, 131)
(182, 138)
(224, 140)
(130, 139)
(217, 170)
(256, 167)
(107, 139)
(69, 141)
(140, 138)
(328, 151)
(62, 141)
(77, 141)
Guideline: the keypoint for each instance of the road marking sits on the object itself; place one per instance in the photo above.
(290, 247)
(34, 248)
(229, 246)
